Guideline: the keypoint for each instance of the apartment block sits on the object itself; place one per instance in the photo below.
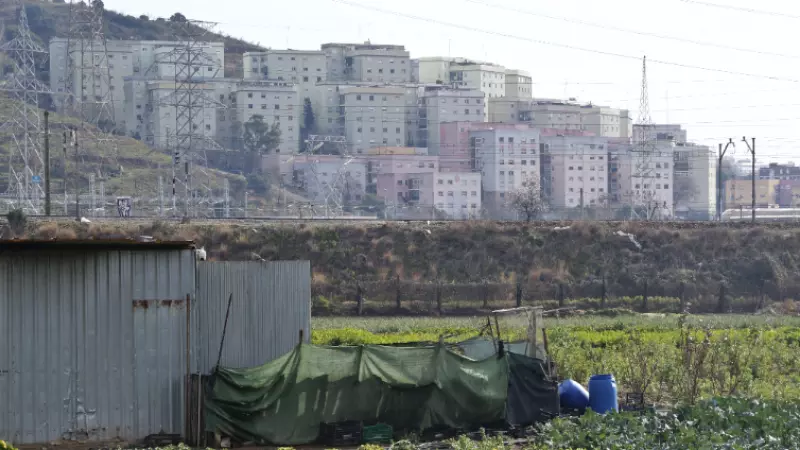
(458, 194)
(695, 181)
(434, 69)
(368, 62)
(507, 156)
(519, 85)
(372, 117)
(562, 115)
(643, 181)
(305, 68)
(96, 80)
(578, 171)
(275, 101)
(776, 171)
(668, 132)
(153, 113)
(490, 79)
(441, 104)
(739, 193)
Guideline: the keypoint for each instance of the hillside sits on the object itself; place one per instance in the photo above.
(50, 19)
(139, 163)
(698, 262)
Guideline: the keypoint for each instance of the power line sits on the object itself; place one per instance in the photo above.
(636, 32)
(556, 44)
(743, 9)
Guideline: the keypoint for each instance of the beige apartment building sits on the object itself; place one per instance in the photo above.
(373, 63)
(305, 68)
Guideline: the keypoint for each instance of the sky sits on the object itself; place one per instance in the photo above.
(724, 70)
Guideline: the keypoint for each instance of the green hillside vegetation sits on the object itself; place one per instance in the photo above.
(140, 163)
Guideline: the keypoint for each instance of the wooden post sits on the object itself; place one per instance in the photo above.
(560, 295)
(603, 293)
(301, 335)
(519, 294)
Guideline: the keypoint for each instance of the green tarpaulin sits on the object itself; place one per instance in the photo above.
(286, 400)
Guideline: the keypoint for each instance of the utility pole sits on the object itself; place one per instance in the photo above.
(719, 176)
(581, 190)
(77, 192)
(64, 147)
(753, 175)
(47, 163)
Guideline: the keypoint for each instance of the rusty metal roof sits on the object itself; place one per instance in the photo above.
(94, 244)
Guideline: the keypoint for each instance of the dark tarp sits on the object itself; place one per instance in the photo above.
(531, 397)
(285, 401)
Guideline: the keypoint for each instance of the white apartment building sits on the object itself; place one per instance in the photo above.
(150, 59)
(276, 101)
(368, 62)
(507, 156)
(562, 115)
(305, 68)
(443, 104)
(487, 78)
(458, 194)
(578, 171)
(644, 181)
(153, 111)
(695, 181)
(673, 132)
(519, 85)
(372, 116)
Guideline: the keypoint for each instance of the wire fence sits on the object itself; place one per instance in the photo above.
(386, 297)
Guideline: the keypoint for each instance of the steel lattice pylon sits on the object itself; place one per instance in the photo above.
(88, 90)
(26, 165)
(643, 152)
(193, 67)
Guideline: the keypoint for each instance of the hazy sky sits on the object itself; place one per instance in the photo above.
(608, 39)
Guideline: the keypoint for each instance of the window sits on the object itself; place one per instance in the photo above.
(359, 129)
(399, 182)
(440, 182)
(319, 79)
(511, 140)
(250, 106)
(463, 193)
(277, 107)
(501, 140)
(449, 193)
(397, 130)
(449, 181)
(371, 98)
(571, 168)
(371, 129)
(666, 186)
(249, 95)
(263, 106)
(440, 194)
(466, 111)
(305, 79)
(385, 130)
(358, 97)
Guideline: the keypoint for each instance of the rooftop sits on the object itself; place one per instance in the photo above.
(144, 243)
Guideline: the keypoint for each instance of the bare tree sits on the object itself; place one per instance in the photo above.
(527, 200)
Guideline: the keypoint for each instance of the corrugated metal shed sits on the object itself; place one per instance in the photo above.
(271, 304)
(92, 339)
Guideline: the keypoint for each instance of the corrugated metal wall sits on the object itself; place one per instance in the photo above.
(271, 304)
(93, 343)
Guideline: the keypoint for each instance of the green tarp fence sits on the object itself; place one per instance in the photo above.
(285, 401)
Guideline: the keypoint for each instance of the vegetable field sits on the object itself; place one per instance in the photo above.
(673, 359)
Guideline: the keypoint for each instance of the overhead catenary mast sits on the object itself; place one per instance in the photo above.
(24, 90)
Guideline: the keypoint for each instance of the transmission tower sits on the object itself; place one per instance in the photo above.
(642, 156)
(193, 67)
(88, 89)
(331, 193)
(26, 165)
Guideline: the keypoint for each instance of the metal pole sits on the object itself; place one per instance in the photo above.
(161, 196)
(752, 175)
(47, 199)
(719, 176)
(64, 143)
(77, 196)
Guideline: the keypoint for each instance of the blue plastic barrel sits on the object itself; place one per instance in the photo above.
(572, 395)
(603, 393)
